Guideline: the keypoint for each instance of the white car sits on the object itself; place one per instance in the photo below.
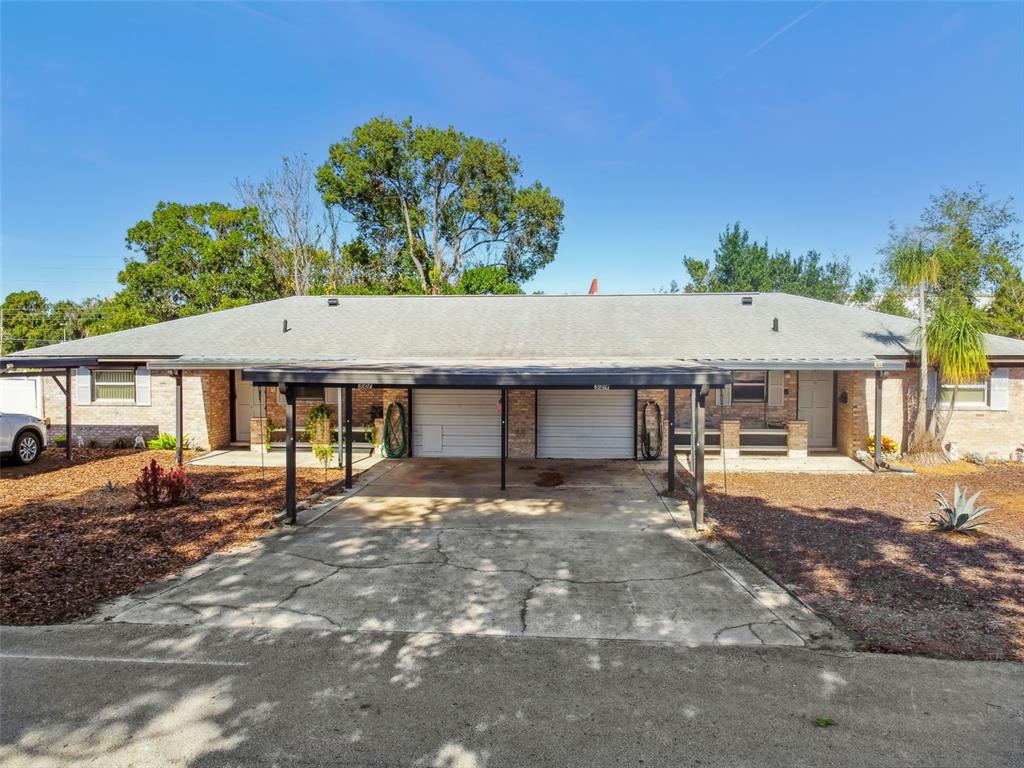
(22, 437)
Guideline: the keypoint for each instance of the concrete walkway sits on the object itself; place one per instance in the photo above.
(571, 549)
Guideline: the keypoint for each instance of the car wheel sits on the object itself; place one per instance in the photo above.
(26, 447)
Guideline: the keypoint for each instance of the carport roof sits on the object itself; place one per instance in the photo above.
(584, 373)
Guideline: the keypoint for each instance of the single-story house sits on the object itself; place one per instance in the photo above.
(531, 376)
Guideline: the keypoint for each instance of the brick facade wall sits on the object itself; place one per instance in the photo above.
(522, 423)
(206, 411)
(750, 415)
(993, 433)
(989, 432)
(363, 401)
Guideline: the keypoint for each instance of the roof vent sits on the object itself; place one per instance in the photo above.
(332, 302)
(746, 301)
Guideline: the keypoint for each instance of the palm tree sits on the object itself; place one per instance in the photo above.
(956, 337)
(915, 267)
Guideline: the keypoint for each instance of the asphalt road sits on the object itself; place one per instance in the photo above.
(138, 695)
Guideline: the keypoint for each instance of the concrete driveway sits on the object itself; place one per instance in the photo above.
(571, 549)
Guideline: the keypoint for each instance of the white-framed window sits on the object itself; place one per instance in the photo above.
(113, 385)
(974, 395)
(749, 386)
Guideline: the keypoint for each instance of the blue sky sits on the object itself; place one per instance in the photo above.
(658, 124)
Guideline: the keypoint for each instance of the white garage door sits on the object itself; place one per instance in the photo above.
(585, 424)
(456, 422)
(22, 395)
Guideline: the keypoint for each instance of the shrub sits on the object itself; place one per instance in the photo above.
(177, 485)
(149, 484)
(92, 442)
(960, 516)
(324, 452)
(889, 446)
(268, 433)
(166, 442)
(61, 441)
(121, 443)
(318, 424)
(155, 487)
(976, 457)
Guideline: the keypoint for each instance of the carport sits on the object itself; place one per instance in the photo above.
(499, 375)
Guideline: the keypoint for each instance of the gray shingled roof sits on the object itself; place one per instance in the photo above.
(715, 328)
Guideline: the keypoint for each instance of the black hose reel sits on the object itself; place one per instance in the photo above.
(651, 431)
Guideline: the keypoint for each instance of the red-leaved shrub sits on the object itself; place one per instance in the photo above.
(149, 484)
(155, 487)
(178, 485)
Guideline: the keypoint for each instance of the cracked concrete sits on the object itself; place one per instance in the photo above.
(600, 557)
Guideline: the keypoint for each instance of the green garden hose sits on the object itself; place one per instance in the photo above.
(393, 445)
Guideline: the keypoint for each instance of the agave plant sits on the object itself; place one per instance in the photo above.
(961, 515)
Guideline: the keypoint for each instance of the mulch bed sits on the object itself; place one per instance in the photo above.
(859, 550)
(69, 542)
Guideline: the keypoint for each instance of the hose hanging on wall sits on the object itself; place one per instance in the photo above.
(650, 442)
(394, 444)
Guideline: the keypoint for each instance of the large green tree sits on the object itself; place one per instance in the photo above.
(1005, 314)
(739, 263)
(194, 259)
(974, 238)
(432, 203)
(962, 248)
(28, 322)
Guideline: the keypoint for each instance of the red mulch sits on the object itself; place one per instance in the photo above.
(67, 543)
(858, 549)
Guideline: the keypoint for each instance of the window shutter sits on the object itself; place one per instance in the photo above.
(999, 390)
(776, 388)
(83, 387)
(142, 396)
(933, 387)
(726, 395)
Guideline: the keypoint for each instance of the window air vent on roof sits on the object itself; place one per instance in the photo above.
(747, 301)
(332, 302)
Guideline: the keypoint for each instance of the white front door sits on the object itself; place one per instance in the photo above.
(246, 407)
(456, 422)
(585, 424)
(814, 405)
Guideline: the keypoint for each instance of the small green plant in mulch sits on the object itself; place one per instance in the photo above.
(324, 453)
(824, 722)
(162, 442)
(268, 432)
(960, 516)
(120, 443)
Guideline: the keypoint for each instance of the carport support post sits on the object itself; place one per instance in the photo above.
(693, 427)
(348, 436)
(700, 396)
(504, 434)
(289, 456)
(67, 414)
(878, 419)
(341, 429)
(178, 437)
(671, 440)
